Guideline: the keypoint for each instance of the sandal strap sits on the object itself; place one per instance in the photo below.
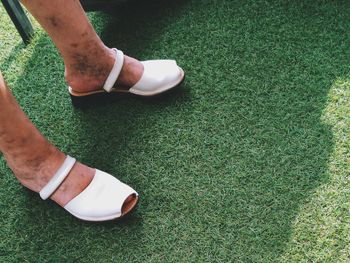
(58, 178)
(114, 74)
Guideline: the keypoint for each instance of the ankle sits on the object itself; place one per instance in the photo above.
(34, 172)
(88, 72)
(90, 77)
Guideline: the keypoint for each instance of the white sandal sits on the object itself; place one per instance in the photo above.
(158, 76)
(101, 200)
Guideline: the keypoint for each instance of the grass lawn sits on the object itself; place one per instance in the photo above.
(248, 162)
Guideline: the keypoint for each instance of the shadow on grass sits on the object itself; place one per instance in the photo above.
(12, 56)
(222, 167)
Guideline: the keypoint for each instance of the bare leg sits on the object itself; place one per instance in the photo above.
(32, 158)
(88, 61)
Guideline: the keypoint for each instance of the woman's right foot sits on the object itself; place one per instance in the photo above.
(33, 159)
(36, 170)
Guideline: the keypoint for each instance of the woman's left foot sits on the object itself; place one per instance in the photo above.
(146, 78)
(90, 75)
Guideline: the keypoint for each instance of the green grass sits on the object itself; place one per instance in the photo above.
(248, 162)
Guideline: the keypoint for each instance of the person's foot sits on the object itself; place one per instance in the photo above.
(87, 74)
(36, 161)
(35, 173)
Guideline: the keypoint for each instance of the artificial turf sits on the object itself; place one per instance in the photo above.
(248, 162)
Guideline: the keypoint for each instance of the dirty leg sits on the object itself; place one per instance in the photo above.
(87, 59)
(30, 156)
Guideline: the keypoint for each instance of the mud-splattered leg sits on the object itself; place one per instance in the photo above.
(88, 61)
(31, 157)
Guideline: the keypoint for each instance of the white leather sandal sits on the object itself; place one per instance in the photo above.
(158, 76)
(101, 200)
